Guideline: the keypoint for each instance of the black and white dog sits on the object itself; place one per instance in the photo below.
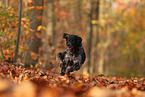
(74, 56)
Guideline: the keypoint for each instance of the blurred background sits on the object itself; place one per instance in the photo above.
(113, 33)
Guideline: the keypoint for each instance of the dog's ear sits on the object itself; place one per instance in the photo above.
(65, 35)
(79, 40)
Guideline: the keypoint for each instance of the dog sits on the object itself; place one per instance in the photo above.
(74, 56)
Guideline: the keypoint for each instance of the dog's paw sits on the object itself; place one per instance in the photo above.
(70, 70)
(68, 73)
(62, 73)
(59, 56)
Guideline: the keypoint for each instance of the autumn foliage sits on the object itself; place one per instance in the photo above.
(120, 38)
(17, 81)
(117, 41)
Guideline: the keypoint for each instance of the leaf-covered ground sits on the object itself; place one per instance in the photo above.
(16, 81)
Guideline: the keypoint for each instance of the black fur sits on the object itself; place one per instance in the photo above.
(74, 56)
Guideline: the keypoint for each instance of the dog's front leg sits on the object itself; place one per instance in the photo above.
(61, 55)
(75, 67)
(63, 67)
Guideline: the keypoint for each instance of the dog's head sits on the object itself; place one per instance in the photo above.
(72, 41)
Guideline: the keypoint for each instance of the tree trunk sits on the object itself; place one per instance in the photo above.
(93, 36)
(49, 35)
(19, 30)
(101, 63)
(34, 42)
(89, 52)
(104, 53)
(96, 4)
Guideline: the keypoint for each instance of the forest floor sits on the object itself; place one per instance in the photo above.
(17, 81)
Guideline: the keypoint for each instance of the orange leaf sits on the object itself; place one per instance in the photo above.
(31, 7)
(39, 7)
(38, 34)
(34, 55)
(11, 34)
(29, 1)
(39, 28)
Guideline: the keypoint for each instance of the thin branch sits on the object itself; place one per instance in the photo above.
(19, 30)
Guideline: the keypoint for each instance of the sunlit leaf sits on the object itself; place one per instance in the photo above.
(1, 34)
(30, 1)
(39, 7)
(40, 28)
(11, 34)
(30, 8)
(1, 57)
(94, 22)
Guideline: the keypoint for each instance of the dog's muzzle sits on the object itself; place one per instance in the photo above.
(70, 47)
